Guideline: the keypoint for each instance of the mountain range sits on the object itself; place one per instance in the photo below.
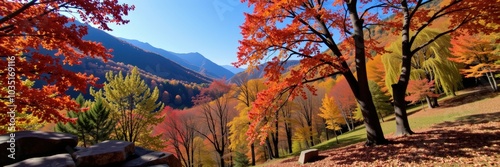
(126, 54)
(193, 61)
(233, 69)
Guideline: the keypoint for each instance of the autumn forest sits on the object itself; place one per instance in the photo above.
(366, 82)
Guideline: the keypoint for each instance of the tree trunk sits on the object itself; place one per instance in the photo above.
(326, 133)
(222, 163)
(336, 138)
(490, 81)
(435, 102)
(252, 150)
(288, 132)
(269, 148)
(311, 137)
(402, 124)
(399, 89)
(275, 136)
(346, 121)
(429, 102)
(381, 117)
(361, 91)
(493, 81)
(83, 137)
(352, 118)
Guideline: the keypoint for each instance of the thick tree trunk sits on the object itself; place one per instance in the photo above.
(399, 89)
(402, 124)
(374, 132)
(399, 92)
(381, 117)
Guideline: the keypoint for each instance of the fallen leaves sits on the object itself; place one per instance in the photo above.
(460, 143)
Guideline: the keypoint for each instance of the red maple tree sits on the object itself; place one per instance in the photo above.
(27, 30)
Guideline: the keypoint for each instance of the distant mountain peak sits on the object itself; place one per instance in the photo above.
(193, 60)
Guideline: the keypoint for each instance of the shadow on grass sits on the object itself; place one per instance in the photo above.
(472, 119)
(476, 94)
(408, 114)
(462, 138)
(296, 159)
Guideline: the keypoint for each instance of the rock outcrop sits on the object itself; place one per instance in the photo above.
(107, 153)
(29, 144)
(44, 149)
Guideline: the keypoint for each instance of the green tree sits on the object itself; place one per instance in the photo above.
(81, 127)
(381, 100)
(134, 107)
(101, 124)
(241, 160)
(92, 126)
(430, 62)
(78, 128)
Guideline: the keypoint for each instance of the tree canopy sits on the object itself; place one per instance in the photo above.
(28, 27)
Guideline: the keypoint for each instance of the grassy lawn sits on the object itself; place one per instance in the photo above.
(451, 110)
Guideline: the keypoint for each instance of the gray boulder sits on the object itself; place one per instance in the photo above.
(58, 160)
(107, 153)
(153, 158)
(22, 145)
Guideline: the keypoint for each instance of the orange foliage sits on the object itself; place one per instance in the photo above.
(279, 30)
(478, 52)
(344, 97)
(26, 28)
(375, 72)
(419, 89)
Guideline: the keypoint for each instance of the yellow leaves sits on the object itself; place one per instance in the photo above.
(331, 113)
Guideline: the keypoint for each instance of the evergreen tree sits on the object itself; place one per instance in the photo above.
(241, 160)
(92, 126)
(80, 127)
(134, 107)
(98, 117)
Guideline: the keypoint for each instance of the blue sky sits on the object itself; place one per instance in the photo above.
(209, 27)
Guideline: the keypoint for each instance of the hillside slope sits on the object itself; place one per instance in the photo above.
(155, 64)
(192, 61)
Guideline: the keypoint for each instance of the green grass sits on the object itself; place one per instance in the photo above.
(389, 127)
